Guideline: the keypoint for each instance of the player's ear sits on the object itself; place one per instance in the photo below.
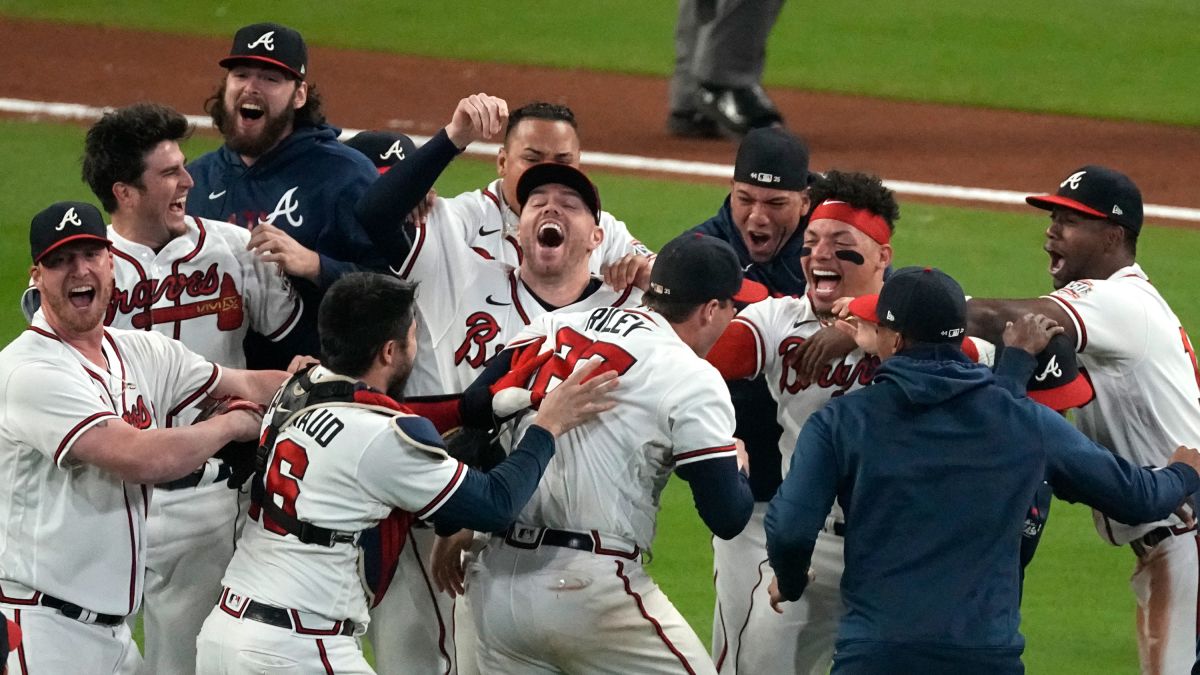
(300, 97)
(597, 236)
(885, 255)
(501, 161)
(805, 202)
(123, 192)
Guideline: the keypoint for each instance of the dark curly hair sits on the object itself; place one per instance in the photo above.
(349, 344)
(116, 146)
(860, 190)
(540, 110)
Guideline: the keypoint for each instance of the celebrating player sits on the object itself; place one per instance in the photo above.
(911, 459)
(283, 174)
(1147, 384)
(343, 454)
(469, 308)
(846, 248)
(535, 133)
(193, 280)
(89, 420)
(571, 566)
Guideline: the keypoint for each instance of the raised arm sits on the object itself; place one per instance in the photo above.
(987, 318)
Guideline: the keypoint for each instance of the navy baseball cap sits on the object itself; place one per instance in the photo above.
(271, 44)
(1057, 381)
(1099, 192)
(772, 157)
(561, 174)
(62, 223)
(923, 304)
(384, 148)
(696, 268)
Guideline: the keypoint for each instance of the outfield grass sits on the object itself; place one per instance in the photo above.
(1130, 59)
(1078, 610)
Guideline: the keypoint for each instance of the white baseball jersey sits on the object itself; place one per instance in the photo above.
(342, 467)
(672, 409)
(70, 529)
(1143, 369)
(470, 307)
(203, 288)
(780, 325)
(489, 227)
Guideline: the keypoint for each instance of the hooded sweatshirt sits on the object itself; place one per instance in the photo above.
(935, 466)
(306, 186)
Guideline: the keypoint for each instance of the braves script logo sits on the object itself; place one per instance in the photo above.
(481, 329)
(286, 207)
(394, 151)
(139, 417)
(1051, 369)
(1073, 180)
(138, 301)
(267, 40)
(841, 376)
(69, 218)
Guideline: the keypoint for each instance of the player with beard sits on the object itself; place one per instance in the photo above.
(343, 453)
(89, 421)
(846, 249)
(283, 174)
(469, 307)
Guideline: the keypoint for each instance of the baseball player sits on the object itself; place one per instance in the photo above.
(283, 174)
(846, 249)
(1143, 368)
(536, 133)
(469, 308)
(342, 454)
(564, 590)
(89, 422)
(911, 459)
(193, 280)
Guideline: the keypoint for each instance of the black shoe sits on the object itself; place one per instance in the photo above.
(738, 110)
(691, 124)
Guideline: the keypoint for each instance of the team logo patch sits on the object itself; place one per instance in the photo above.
(764, 177)
(1052, 370)
(1076, 289)
(139, 302)
(69, 218)
(1073, 180)
(139, 416)
(482, 328)
(287, 205)
(394, 151)
(266, 41)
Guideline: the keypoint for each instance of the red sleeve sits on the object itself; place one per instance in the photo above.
(735, 354)
(444, 412)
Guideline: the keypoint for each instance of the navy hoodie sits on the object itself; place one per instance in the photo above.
(935, 466)
(307, 186)
(753, 405)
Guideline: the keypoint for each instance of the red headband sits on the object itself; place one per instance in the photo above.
(863, 220)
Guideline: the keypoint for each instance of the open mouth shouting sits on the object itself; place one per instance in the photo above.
(826, 285)
(177, 207)
(81, 296)
(250, 112)
(550, 234)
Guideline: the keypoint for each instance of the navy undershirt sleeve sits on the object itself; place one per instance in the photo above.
(490, 502)
(384, 207)
(721, 493)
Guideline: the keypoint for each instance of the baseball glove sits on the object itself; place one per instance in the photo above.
(238, 455)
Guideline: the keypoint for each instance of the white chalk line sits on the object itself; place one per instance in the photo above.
(611, 160)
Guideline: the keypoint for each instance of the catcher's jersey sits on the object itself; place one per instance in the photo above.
(468, 307)
(342, 467)
(69, 529)
(780, 325)
(1143, 369)
(489, 227)
(672, 408)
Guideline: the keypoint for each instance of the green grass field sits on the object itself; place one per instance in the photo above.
(1133, 59)
(1078, 610)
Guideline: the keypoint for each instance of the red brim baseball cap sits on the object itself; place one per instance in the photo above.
(1049, 202)
(863, 307)
(1074, 394)
(751, 291)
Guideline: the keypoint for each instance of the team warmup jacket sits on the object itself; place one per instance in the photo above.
(753, 406)
(935, 466)
(307, 186)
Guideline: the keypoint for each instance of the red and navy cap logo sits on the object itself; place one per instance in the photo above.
(269, 44)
